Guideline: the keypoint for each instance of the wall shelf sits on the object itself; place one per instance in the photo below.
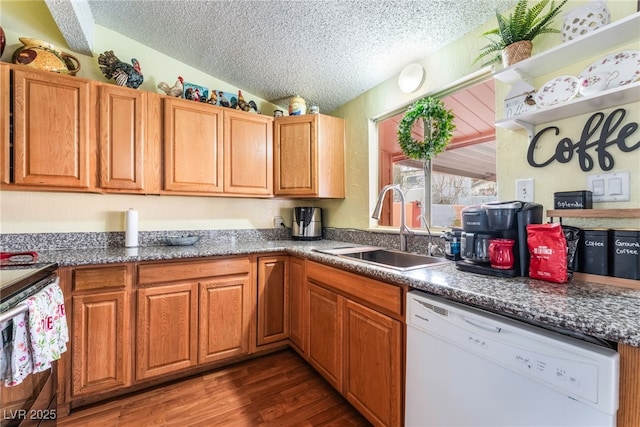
(609, 98)
(594, 213)
(600, 41)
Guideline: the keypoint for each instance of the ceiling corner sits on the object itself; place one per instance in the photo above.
(76, 23)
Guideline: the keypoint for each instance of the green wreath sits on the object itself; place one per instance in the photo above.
(439, 128)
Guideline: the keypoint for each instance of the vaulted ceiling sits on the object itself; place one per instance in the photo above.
(327, 51)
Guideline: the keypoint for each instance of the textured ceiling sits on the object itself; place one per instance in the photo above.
(328, 52)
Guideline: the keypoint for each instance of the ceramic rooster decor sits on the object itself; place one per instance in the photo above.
(244, 105)
(176, 90)
(124, 74)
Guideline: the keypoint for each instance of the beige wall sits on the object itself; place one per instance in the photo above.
(23, 212)
(448, 66)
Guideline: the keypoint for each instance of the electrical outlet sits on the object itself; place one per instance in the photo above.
(524, 190)
(278, 222)
(609, 187)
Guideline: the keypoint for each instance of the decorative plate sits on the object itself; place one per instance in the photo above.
(558, 90)
(626, 63)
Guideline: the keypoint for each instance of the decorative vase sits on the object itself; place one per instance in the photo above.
(3, 41)
(584, 19)
(516, 52)
(44, 56)
(297, 106)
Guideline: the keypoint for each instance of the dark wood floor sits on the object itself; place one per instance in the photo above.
(280, 389)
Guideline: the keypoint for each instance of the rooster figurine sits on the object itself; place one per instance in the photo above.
(123, 73)
(175, 90)
(244, 105)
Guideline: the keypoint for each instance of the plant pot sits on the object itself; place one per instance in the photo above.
(516, 52)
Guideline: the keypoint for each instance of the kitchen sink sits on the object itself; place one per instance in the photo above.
(374, 255)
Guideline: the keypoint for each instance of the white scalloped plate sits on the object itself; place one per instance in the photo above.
(626, 63)
(558, 90)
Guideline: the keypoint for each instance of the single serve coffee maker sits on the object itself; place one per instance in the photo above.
(494, 238)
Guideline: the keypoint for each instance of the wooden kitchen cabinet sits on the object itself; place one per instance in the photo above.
(248, 154)
(324, 333)
(225, 315)
(193, 147)
(166, 338)
(100, 329)
(53, 131)
(355, 339)
(297, 303)
(129, 140)
(373, 362)
(273, 299)
(190, 313)
(309, 156)
(5, 126)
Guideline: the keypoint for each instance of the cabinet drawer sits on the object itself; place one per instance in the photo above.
(384, 297)
(173, 271)
(86, 279)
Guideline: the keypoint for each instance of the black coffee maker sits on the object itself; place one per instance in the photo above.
(497, 220)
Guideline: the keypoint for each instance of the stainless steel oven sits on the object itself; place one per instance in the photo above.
(33, 401)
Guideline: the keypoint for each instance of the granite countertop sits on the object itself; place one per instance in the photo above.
(602, 311)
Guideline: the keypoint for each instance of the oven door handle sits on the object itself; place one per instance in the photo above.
(13, 312)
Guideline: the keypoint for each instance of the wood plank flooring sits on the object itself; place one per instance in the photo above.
(279, 389)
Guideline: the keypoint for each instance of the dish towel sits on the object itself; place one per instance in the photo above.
(20, 362)
(6, 329)
(48, 331)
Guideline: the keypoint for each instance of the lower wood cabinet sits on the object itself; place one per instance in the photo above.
(273, 299)
(100, 329)
(166, 338)
(297, 304)
(354, 344)
(191, 313)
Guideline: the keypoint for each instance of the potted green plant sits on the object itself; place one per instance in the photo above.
(515, 33)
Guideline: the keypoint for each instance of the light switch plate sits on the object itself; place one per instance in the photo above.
(609, 187)
(524, 190)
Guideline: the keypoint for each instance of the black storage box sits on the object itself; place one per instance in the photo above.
(594, 252)
(625, 253)
(573, 200)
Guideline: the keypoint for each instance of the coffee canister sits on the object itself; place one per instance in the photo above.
(625, 253)
(594, 252)
(297, 106)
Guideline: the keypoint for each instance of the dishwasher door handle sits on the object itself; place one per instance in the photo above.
(482, 325)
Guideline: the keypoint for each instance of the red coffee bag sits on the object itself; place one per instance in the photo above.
(548, 249)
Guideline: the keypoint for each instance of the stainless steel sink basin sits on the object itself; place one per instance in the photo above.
(374, 255)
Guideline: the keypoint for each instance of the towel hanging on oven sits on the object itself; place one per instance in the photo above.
(48, 331)
(17, 350)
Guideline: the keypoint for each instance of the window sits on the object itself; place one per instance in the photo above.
(465, 174)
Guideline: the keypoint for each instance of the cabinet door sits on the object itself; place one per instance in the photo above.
(324, 348)
(53, 132)
(373, 364)
(166, 329)
(122, 136)
(193, 144)
(296, 149)
(273, 299)
(101, 350)
(5, 119)
(297, 303)
(248, 153)
(225, 314)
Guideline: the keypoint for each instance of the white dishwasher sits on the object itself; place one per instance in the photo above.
(468, 367)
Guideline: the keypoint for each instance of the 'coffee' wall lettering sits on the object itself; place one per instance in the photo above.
(566, 149)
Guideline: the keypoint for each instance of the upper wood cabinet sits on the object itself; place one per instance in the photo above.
(309, 156)
(193, 147)
(128, 139)
(248, 154)
(5, 120)
(53, 131)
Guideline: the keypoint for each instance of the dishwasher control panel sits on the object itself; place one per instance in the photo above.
(581, 370)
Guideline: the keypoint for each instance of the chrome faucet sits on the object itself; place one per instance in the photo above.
(404, 230)
(431, 247)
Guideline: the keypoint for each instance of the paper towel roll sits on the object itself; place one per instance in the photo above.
(131, 229)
